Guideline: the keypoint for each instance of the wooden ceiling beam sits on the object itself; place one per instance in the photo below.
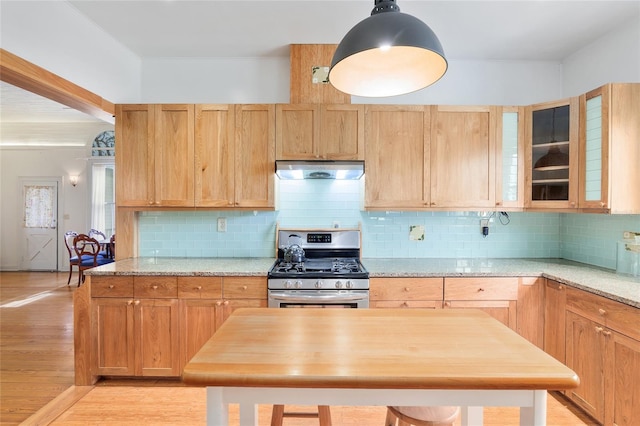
(22, 73)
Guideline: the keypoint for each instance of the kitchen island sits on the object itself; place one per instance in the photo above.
(418, 357)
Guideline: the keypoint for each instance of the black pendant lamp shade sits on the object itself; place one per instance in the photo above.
(389, 53)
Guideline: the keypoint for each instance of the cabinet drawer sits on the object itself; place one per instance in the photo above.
(615, 315)
(401, 304)
(244, 287)
(405, 289)
(115, 286)
(200, 287)
(155, 287)
(483, 288)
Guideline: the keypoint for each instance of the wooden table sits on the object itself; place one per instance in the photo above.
(366, 357)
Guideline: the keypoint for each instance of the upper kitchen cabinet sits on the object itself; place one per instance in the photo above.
(509, 159)
(397, 156)
(610, 149)
(255, 156)
(319, 132)
(463, 156)
(551, 178)
(215, 153)
(154, 155)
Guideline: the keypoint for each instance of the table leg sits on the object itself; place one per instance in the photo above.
(217, 411)
(248, 414)
(471, 416)
(537, 414)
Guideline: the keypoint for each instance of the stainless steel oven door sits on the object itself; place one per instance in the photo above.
(318, 298)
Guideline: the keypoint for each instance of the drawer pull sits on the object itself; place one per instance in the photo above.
(155, 287)
(602, 311)
(406, 289)
(244, 287)
(129, 302)
(111, 286)
(219, 303)
(480, 289)
(137, 302)
(225, 303)
(599, 329)
(606, 333)
(199, 287)
(405, 305)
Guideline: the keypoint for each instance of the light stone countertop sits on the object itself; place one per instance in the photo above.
(604, 282)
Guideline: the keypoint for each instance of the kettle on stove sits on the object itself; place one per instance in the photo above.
(294, 254)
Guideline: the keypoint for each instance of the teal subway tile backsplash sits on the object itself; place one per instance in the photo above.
(322, 203)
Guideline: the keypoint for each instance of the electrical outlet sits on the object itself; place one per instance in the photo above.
(222, 224)
(630, 235)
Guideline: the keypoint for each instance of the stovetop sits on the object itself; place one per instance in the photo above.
(328, 267)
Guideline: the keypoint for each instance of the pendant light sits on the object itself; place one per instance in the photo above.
(389, 53)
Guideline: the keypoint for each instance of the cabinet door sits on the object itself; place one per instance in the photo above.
(157, 337)
(134, 155)
(174, 153)
(551, 174)
(621, 380)
(463, 156)
(199, 319)
(510, 158)
(255, 156)
(530, 310)
(214, 155)
(586, 356)
(342, 132)
(113, 339)
(502, 310)
(297, 132)
(609, 152)
(554, 320)
(397, 156)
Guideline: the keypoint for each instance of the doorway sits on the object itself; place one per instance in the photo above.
(39, 217)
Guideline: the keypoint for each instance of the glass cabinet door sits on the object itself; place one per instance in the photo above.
(510, 159)
(594, 146)
(553, 147)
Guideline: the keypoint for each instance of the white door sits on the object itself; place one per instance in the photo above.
(39, 225)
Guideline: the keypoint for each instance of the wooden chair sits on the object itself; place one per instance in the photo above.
(87, 250)
(100, 236)
(422, 416)
(112, 246)
(73, 259)
(323, 415)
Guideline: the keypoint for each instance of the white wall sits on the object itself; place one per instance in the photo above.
(614, 58)
(56, 37)
(73, 201)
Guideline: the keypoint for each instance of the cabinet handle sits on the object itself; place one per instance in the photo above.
(155, 287)
(219, 303)
(150, 202)
(199, 287)
(603, 204)
(572, 203)
(137, 302)
(111, 286)
(560, 287)
(498, 203)
(244, 287)
(405, 305)
(602, 311)
(480, 289)
(606, 333)
(225, 303)
(129, 302)
(406, 289)
(447, 303)
(599, 329)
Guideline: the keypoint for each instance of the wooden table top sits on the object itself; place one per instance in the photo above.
(373, 349)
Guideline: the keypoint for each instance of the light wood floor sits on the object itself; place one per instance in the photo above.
(36, 375)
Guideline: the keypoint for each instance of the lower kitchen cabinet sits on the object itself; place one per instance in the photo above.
(136, 337)
(603, 348)
(554, 319)
(405, 293)
(243, 292)
(497, 296)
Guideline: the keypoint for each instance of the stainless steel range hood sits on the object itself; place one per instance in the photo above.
(319, 169)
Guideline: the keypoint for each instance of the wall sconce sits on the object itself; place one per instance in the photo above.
(73, 179)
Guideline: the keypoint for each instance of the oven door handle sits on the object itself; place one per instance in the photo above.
(283, 296)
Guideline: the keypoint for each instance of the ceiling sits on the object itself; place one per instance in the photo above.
(468, 30)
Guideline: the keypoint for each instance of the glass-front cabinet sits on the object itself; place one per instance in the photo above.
(552, 155)
(509, 159)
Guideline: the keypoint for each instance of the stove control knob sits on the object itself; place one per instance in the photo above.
(299, 284)
(319, 284)
(338, 284)
(288, 284)
(349, 284)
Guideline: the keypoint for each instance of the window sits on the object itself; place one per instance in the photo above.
(103, 183)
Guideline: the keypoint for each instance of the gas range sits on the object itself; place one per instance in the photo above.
(329, 274)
